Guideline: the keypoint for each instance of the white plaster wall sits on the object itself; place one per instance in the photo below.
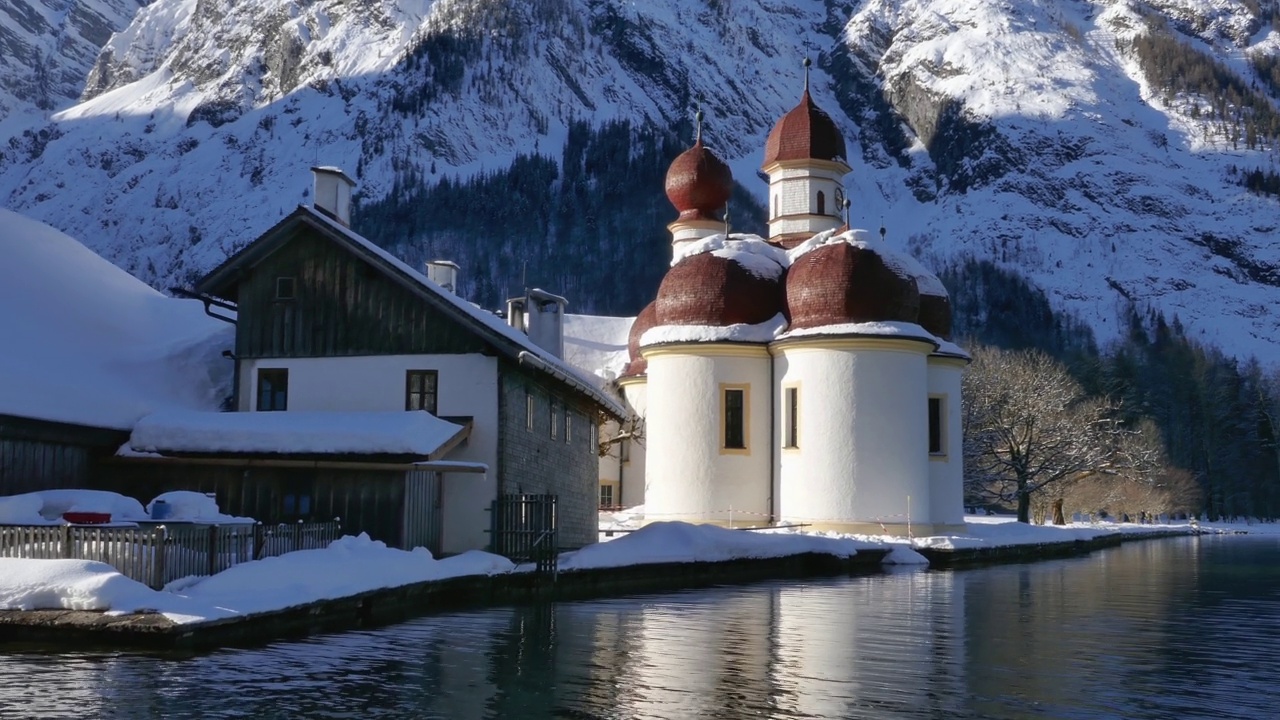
(467, 386)
(794, 191)
(946, 476)
(688, 477)
(863, 436)
(632, 473)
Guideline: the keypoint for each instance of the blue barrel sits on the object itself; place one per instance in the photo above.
(160, 510)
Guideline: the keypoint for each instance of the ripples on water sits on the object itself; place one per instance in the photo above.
(1162, 629)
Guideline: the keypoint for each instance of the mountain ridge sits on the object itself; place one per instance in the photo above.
(1025, 132)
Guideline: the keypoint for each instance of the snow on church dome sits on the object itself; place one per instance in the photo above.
(717, 282)
(804, 133)
(698, 183)
(849, 278)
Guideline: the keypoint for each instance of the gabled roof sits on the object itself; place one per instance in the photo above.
(225, 279)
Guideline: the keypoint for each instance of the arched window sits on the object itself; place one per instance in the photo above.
(775, 206)
(822, 203)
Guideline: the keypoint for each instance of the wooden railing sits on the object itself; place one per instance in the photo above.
(160, 554)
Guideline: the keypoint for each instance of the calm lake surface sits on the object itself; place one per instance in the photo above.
(1183, 628)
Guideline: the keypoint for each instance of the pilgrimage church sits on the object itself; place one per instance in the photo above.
(806, 378)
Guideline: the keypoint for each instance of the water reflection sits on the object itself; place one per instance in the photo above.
(1152, 630)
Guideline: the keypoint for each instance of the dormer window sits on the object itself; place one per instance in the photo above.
(286, 288)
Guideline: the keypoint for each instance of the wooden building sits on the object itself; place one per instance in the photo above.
(327, 322)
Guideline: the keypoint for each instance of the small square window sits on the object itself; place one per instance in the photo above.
(606, 496)
(286, 288)
(273, 389)
(555, 420)
(528, 410)
(791, 417)
(421, 390)
(568, 425)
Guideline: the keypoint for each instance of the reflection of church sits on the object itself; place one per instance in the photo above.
(807, 378)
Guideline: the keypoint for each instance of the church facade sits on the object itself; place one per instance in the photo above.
(804, 378)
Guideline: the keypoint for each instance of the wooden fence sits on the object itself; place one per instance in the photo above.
(160, 554)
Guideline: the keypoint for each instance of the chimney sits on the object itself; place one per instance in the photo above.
(443, 273)
(332, 194)
(544, 319)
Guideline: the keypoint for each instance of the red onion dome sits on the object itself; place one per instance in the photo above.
(707, 289)
(804, 133)
(846, 283)
(935, 314)
(699, 183)
(647, 318)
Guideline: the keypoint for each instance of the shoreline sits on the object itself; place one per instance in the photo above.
(86, 629)
(151, 631)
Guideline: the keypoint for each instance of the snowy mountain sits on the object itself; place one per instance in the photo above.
(46, 47)
(1070, 140)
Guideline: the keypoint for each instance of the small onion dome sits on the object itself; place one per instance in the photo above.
(805, 133)
(844, 283)
(711, 290)
(699, 183)
(935, 314)
(647, 319)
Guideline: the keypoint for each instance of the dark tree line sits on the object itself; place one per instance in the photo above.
(591, 227)
(1238, 111)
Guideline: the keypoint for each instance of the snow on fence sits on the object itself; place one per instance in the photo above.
(161, 554)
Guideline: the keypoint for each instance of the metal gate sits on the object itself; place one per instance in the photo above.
(524, 530)
(422, 515)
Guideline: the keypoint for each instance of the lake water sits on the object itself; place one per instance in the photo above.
(1183, 628)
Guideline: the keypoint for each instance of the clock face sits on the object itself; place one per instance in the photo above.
(841, 203)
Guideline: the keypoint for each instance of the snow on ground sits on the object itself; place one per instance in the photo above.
(364, 433)
(679, 542)
(349, 566)
(87, 343)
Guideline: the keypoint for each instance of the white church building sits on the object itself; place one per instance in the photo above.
(806, 378)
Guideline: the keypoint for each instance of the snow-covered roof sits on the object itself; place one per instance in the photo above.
(521, 347)
(597, 344)
(741, 333)
(902, 262)
(86, 343)
(419, 434)
(752, 252)
(905, 330)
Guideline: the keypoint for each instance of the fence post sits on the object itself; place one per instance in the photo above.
(297, 536)
(212, 547)
(258, 538)
(158, 537)
(66, 541)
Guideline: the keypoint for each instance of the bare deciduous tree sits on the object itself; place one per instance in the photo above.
(1030, 427)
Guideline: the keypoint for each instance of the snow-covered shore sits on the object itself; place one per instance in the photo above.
(354, 565)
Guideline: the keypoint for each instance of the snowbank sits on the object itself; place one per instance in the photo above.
(190, 506)
(680, 542)
(349, 566)
(89, 344)
(45, 507)
(363, 433)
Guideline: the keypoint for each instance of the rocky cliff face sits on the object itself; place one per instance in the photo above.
(1038, 134)
(47, 46)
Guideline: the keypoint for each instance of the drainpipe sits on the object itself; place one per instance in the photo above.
(235, 380)
(208, 300)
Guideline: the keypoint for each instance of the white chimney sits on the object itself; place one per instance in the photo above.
(443, 273)
(332, 193)
(544, 318)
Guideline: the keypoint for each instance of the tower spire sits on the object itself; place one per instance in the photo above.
(697, 118)
(806, 74)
